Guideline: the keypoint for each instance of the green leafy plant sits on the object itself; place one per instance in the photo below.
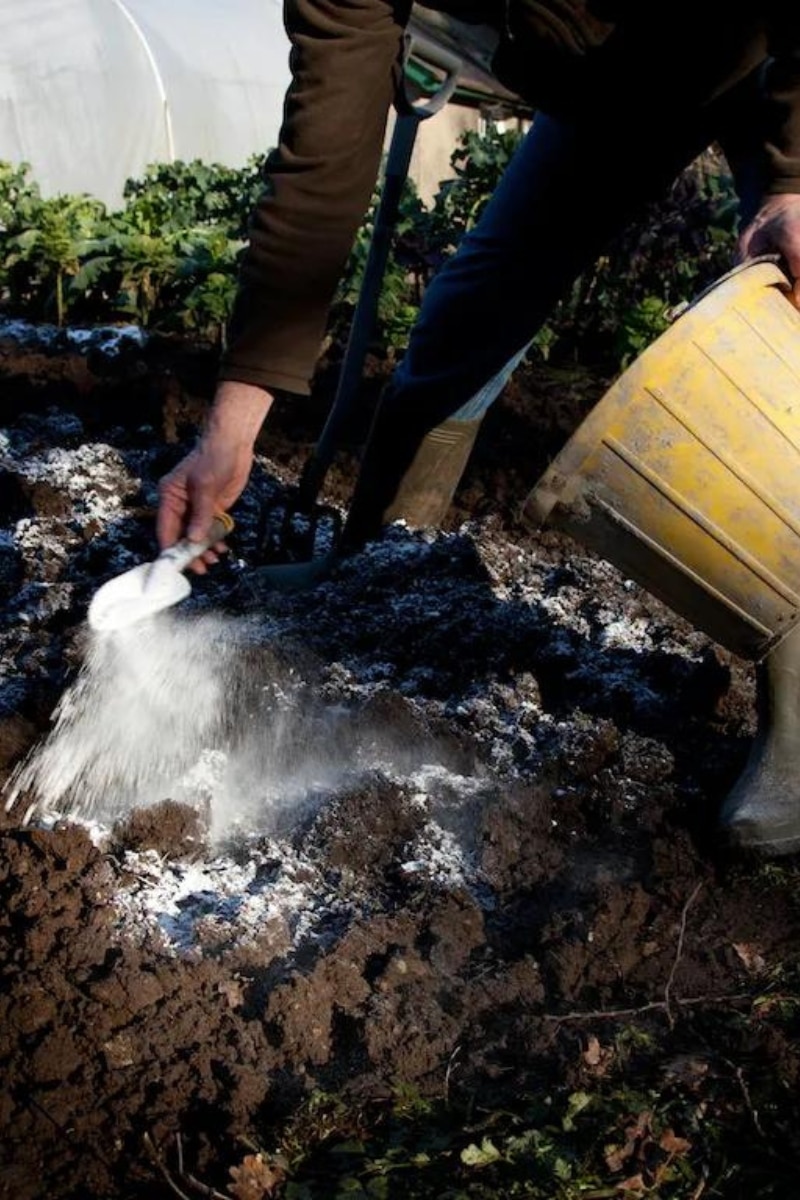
(206, 281)
(402, 280)
(51, 249)
(20, 202)
(169, 258)
(680, 246)
(607, 1141)
(478, 163)
(20, 198)
(174, 197)
(131, 268)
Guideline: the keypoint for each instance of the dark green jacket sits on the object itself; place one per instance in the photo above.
(600, 60)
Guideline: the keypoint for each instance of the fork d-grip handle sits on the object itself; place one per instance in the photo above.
(185, 551)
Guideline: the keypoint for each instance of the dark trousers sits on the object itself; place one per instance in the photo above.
(567, 192)
(570, 188)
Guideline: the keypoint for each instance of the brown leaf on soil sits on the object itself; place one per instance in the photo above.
(256, 1179)
(751, 956)
(597, 1057)
(674, 1145)
(633, 1186)
(593, 1052)
(617, 1156)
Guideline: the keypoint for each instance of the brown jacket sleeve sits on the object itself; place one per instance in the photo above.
(344, 59)
(783, 98)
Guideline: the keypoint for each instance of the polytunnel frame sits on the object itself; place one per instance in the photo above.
(159, 78)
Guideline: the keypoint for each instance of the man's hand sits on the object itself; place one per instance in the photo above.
(775, 229)
(213, 475)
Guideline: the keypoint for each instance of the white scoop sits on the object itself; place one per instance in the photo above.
(152, 586)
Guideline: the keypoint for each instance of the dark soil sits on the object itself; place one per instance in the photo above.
(599, 939)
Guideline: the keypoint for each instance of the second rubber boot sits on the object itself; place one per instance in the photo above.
(407, 473)
(762, 811)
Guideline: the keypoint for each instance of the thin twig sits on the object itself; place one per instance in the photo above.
(652, 1006)
(450, 1065)
(740, 1079)
(738, 1074)
(679, 950)
(203, 1188)
(656, 1005)
(156, 1157)
(701, 1187)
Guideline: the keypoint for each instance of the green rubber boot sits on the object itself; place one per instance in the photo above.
(407, 475)
(762, 812)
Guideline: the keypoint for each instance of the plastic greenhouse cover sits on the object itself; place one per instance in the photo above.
(93, 91)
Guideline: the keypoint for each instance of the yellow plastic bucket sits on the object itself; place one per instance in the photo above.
(686, 474)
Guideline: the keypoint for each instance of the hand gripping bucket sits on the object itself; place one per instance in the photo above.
(686, 474)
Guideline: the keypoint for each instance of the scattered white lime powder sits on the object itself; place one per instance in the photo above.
(197, 710)
(222, 901)
(146, 702)
(93, 475)
(270, 888)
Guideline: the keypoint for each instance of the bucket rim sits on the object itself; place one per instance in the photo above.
(561, 481)
(741, 268)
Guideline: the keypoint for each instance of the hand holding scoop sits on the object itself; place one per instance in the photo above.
(152, 586)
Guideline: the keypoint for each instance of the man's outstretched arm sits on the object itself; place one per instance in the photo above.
(345, 59)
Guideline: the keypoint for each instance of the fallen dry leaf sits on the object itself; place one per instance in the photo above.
(593, 1052)
(597, 1057)
(673, 1144)
(633, 1186)
(256, 1178)
(751, 956)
